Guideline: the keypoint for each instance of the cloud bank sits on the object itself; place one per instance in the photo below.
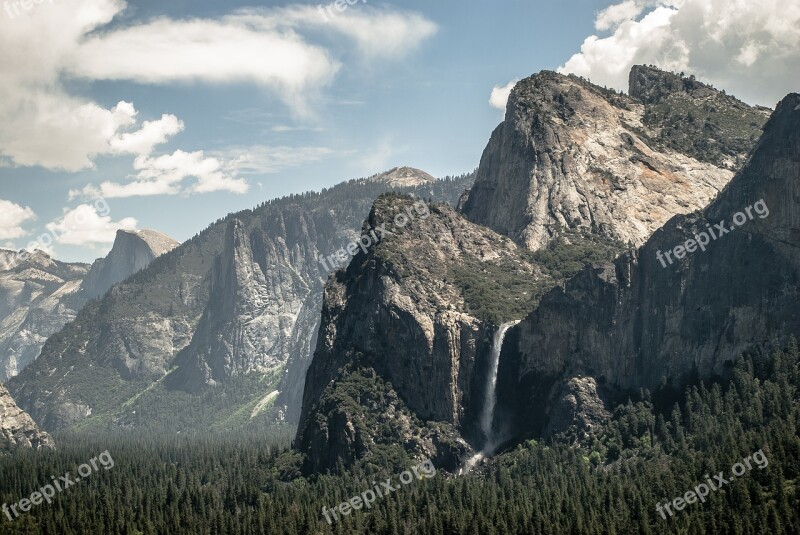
(292, 53)
(750, 48)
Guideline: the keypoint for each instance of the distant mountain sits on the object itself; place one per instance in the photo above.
(132, 252)
(572, 155)
(403, 177)
(17, 429)
(36, 300)
(39, 295)
(217, 333)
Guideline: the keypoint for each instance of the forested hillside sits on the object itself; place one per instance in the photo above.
(655, 449)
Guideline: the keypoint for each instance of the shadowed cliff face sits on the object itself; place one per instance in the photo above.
(258, 285)
(397, 315)
(572, 155)
(635, 323)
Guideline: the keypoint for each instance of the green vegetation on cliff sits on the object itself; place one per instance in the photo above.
(502, 290)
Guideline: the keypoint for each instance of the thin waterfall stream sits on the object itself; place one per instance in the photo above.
(487, 415)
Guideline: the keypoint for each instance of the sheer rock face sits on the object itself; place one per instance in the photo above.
(635, 323)
(37, 297)
(258, 289)
(570, 154)
(395, 309)
(17, 428)
(132, 252)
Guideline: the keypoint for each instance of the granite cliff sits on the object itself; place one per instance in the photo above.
(573, 155)
(132, 251)
(644, 321)
(407, 326)
(17, 429)
(37, 297)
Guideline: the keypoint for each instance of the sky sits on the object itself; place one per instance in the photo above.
(170, 115)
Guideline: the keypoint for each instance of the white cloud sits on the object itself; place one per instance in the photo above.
(751, 48)
(261, 159)
(151, 134)
(614, 15)
(219, 171)
(12, 217)
(500, 94)
(83, 225)
(377, 34)
(287, 51)
(166, 174)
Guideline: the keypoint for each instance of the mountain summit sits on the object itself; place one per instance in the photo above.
(132, 251)
(401, 177)
(573, 155)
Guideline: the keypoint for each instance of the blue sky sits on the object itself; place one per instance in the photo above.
(119, 100)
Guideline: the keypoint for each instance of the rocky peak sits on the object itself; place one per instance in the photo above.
(132, 251)
(401, 177)
(650, 84)
(397, 316)
(640, 321)
(17, 428)
(571, 155)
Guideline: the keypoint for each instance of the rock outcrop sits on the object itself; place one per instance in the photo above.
(644, 321)
(403, 177)
(132, 251)
(17, 429)
(398, 313)
(37, 297)
(572, 155)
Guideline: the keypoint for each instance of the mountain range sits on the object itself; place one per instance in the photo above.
(262, 319)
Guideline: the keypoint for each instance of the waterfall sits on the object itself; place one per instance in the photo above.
(487, 416)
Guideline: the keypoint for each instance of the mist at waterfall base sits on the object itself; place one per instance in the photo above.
(487, 415)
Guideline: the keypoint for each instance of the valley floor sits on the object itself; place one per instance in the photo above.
(654, 450)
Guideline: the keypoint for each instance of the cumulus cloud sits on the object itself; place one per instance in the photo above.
(500, 94)
(197, 172)
(751, 48)
(85, 225)
(614, 15)
(150, 135)
(44, 123)
(166, 175)
(12, 217)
